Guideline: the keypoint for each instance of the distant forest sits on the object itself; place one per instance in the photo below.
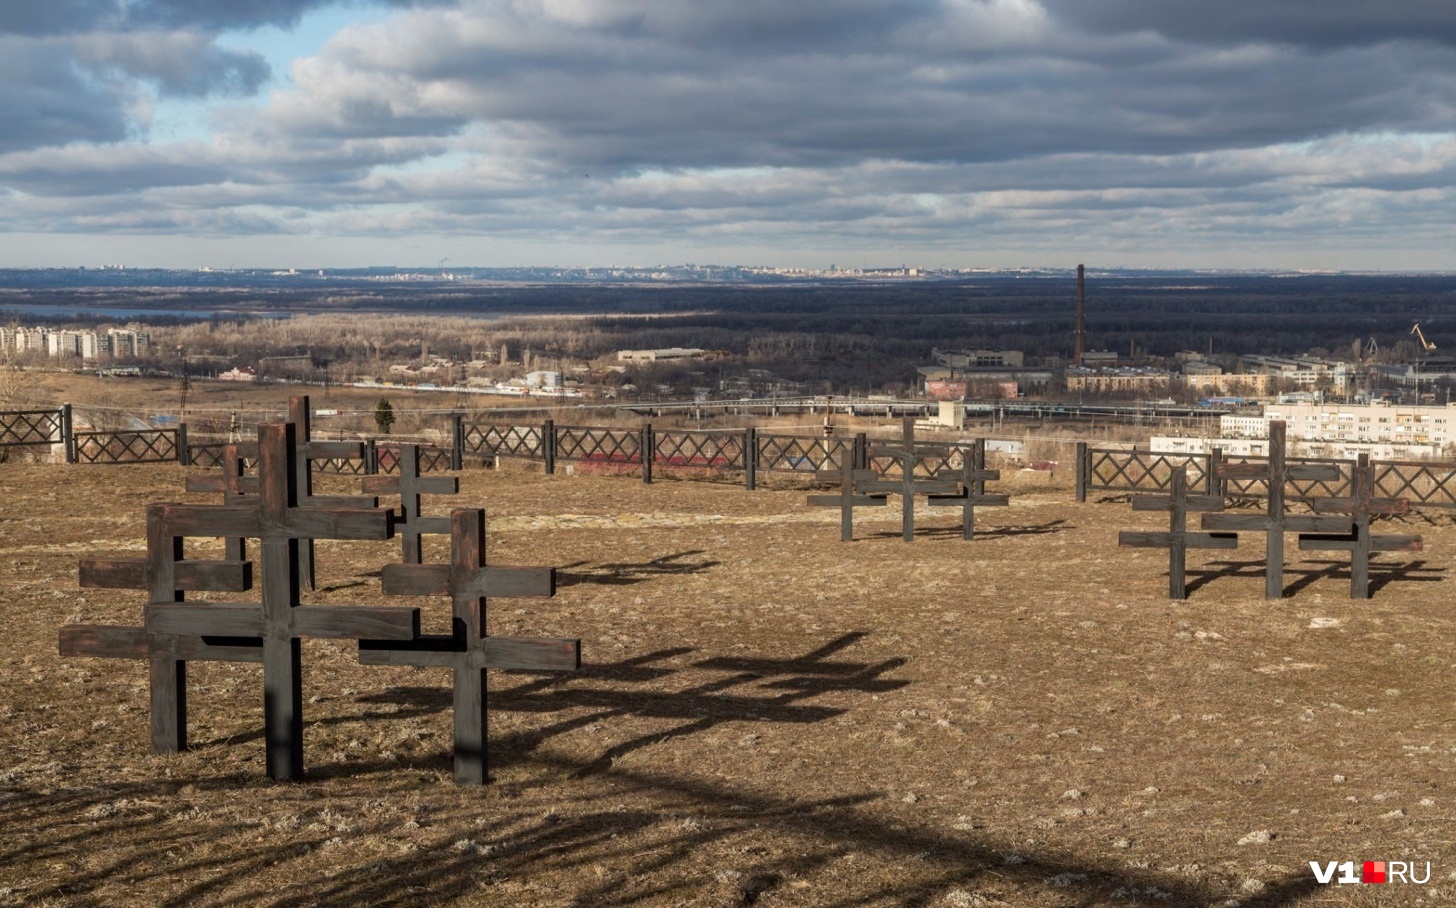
(844, 333)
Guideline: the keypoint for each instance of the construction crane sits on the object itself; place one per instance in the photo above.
(1426, 347)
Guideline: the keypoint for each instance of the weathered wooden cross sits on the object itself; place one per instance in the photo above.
(410, 523)
(1362, 506)
(165, 575)
(907, 486)
(973, 476)
(1178, 540)
(1275, 523)
(848, 499)
(279, 522)
(469, 650)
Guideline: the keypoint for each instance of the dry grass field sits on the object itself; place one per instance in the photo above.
(765, 716)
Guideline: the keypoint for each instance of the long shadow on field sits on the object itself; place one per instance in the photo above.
(646, 837)
(599, 834)
(623, 574)
(987, 532)
(700, 707)
(1381, 575)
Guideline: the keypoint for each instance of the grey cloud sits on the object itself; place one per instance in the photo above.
(60, 17)
(1327, 23)
(45, 101)
(184, 63)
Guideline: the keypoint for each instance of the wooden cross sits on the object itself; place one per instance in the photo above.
(1362, 506)
(409, 485)
(1275, 523)
(847, 499)
(239, 488)
(1178, 540)
(973, 476)
(307, 451)
(279, 522)
(235, 485)
(165, 575)
(468, 650)
(907, 486)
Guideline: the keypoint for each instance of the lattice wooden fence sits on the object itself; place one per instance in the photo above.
(148, 446)
(22, 428)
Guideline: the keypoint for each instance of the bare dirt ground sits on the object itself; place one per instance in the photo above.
(765, 716)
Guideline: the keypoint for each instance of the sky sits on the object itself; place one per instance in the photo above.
(930, 133)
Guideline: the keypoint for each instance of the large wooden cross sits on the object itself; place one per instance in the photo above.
(907, 486)
(848, 499)
(1362, 506)
(165, 575)
(468, 650)
(409, 485)
(279, 522)
(1275, 523)
(973, 476)
(1178, 540)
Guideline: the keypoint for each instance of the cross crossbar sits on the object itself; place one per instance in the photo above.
(410, 486)
(850, 496)
(468, 650)
(1178, 539)
(1362, 507)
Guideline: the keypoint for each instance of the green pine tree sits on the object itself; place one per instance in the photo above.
(384, 415)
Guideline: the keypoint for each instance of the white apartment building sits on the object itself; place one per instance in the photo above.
(113, 342)
(1384, 431)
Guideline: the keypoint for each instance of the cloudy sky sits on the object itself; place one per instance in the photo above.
(963, 133)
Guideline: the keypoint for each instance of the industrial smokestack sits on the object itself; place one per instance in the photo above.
(1080, 344)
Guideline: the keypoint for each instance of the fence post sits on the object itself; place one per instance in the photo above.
(645, 452)
(750, 458)
(861, 451)
(1084, 463)
(68, 433)
(457, 442)
(184, 454)
(548, 445)
(371, 457)
(1216, 486)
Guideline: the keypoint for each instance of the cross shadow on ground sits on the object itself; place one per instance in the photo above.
(1381, 574)
(982, 532)
(733, 696)
(626, 573)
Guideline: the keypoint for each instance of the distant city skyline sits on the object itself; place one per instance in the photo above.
(1253, 134)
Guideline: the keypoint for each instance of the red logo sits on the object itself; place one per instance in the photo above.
(1374, 872)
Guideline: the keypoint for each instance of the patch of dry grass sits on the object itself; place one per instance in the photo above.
(766, 716)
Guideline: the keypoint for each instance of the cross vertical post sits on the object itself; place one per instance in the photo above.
(973, 476)
(1362, 506)
(1275, 523)
(409, 485)
(847, 499)
(1178, 540)
(468, 650)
